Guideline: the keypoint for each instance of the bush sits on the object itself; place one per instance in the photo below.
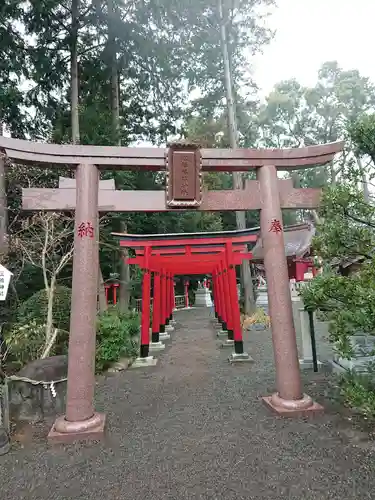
(358, 392)
(35, 308)
(25, 342)
(116, 337)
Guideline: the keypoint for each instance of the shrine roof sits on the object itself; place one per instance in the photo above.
(297, 241)
(213, 237)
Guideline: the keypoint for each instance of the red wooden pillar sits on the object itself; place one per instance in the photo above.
(300, 271)
(174, 296)
(214, 293)
(115, 286)
(227, 302)
(222, 316)
(219, 296)
(163, 296)
(168, 298)
(106, 288)
(171, 296)
(235, 307)
(156, 308)
(146, 303)
(186, 292)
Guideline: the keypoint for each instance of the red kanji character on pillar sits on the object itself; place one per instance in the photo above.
(85, 229)
(276, 226)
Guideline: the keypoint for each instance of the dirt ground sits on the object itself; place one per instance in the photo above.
(193, 427)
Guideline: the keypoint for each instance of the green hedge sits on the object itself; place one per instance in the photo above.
(116, 337)
(35, 308)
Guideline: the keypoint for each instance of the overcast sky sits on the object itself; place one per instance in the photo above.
(310, 32)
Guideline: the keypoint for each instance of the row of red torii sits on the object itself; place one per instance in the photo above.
(184, 165)
(166, 256)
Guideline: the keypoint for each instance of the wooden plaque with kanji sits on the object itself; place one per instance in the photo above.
(183, 166)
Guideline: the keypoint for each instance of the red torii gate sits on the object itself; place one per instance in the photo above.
(230, 315)
(170, 255)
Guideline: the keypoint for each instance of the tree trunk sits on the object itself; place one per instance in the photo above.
(3, 211)
(3, 205)
(124, 298)
(102, 300)
(116, 137)
(115, 94)
(74, 104)
(365, 189)
(49, 322)
(247, 282)
(48, 347)
(74, 78)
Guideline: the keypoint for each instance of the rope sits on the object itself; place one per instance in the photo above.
(15, 378)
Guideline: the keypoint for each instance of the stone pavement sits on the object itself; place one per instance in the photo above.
(193, 428)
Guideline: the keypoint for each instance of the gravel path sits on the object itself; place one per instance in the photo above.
(193, 428)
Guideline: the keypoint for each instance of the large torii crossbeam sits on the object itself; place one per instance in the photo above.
(184, 165)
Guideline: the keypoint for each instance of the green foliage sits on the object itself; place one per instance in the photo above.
(116, 337)
(349, 303)
(348, 224)
(346, 231)
(295, 115)
(25, 342)
(35, 308)
(362, 133)
(358, 392)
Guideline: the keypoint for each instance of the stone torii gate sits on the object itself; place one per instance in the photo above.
(184, 164)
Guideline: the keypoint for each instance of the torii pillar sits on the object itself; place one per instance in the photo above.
(289, 399)
(80, 420)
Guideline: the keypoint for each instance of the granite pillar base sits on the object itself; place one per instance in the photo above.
(164, 336)
(292, 408)
(227, 343)
(222, 333)
(240, 358)
(91, 429)
(156, 346)
(143, 362)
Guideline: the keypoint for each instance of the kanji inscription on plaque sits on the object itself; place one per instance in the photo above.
(183, 176)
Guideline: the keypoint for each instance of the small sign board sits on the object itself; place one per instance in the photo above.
(5, 276)
(184, 183)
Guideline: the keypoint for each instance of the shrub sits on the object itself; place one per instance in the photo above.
(116, 337)
(358, 392)
(25, 342)
(35, 308)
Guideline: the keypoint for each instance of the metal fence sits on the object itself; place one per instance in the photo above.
(179, 303)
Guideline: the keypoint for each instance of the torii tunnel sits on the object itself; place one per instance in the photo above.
(162, 257)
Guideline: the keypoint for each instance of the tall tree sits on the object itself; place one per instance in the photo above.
(294, 116)
(247, 283)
